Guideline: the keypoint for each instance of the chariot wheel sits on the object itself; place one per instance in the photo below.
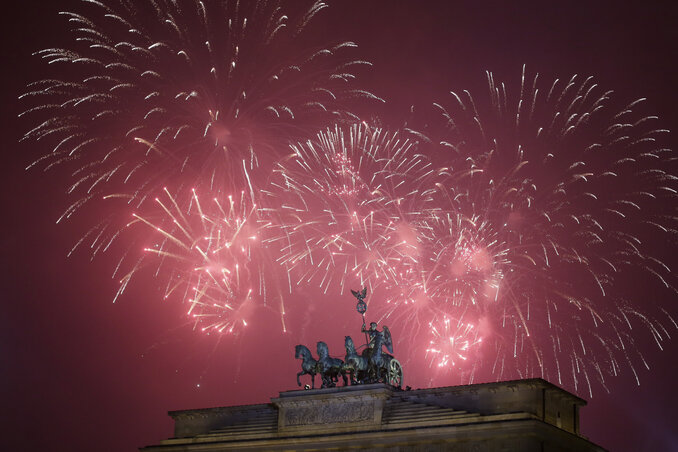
(395, 373)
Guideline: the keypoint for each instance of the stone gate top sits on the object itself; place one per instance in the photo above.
(519, 415)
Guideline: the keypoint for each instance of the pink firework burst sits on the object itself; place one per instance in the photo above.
(346, 207)
(196, 94)
(210, 255)
(552, 206)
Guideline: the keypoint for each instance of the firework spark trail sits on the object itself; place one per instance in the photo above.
(190, 92)
(551, 205)
(344, 207)
(210, 255)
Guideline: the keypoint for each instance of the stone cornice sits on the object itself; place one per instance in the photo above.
(202, 413)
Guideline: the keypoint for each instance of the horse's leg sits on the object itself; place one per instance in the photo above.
(299, 375)
(380, 369)
(360, 373)
(312, 381)
(367, 374)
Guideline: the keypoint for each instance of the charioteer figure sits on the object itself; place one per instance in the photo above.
(377, 337)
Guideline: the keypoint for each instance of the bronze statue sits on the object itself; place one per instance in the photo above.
(360, 295)
(354, 364)
(378, 360)
(329, 368)
(309, 366)
(373, 333)
(372, 366)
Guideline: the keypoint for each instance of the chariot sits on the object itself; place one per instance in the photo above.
(372, 365)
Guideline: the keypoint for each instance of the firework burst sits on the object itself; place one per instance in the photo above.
(515, 227)
(553, 201)
(210, 255)
(451, 342)
(347, 205)
(194, 93)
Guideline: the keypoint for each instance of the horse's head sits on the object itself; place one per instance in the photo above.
(323, 350)
(300, 351)
(348, 343)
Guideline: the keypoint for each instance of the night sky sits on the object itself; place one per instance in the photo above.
(84, 373)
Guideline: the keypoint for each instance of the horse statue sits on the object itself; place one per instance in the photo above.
(354, 364)
(329, 368)
(309, 366)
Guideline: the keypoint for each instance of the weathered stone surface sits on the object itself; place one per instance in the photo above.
(332, 410)
(330, 414)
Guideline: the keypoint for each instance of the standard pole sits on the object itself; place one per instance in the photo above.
(367, 341)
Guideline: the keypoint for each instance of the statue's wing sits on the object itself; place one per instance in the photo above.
(387, 339)
(355, 294)
(364, 292)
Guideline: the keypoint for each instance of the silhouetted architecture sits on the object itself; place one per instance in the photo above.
(521, 415)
